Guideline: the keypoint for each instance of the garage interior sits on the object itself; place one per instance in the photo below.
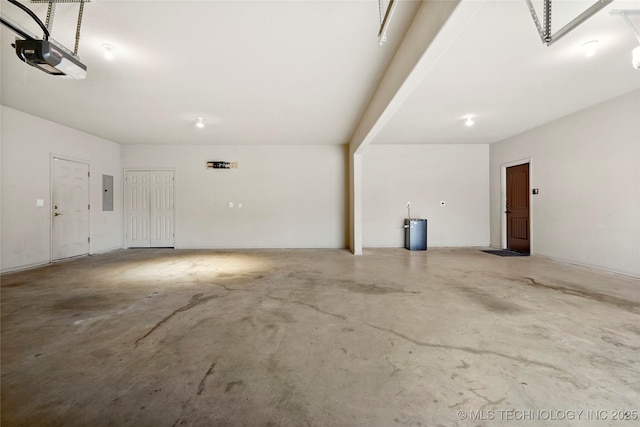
(244, 171)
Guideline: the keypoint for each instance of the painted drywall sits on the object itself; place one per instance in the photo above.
(28, 142)
(426, 175)
(587, 168)
(291, 196)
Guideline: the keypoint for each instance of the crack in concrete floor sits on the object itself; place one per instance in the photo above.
(196, 300)
(203, 381)
(595, 296)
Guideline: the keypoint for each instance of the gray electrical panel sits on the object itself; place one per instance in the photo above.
(107, 192)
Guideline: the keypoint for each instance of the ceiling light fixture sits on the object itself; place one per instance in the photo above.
(199, 123)
(109, 51)
(469, 121)
(590, 48)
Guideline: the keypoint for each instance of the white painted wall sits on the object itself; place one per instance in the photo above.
(27, 145)
(425, 175)
(292, 196)
(587, 167)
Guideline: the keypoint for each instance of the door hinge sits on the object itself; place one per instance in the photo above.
(89, 174)
(89, 207)
(89, 239)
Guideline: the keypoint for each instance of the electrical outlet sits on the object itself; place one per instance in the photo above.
(230, 204)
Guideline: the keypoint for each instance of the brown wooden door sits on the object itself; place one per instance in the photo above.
(517, 208)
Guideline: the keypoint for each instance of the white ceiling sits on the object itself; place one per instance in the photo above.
(496, 68)
(303, 72)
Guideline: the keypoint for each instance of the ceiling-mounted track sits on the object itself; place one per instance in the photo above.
(384, 22)
(545, 29)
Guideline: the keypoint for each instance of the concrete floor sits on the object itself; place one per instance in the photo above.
(447, 337)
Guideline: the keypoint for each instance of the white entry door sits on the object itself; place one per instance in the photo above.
(149, 209)
(70, 191)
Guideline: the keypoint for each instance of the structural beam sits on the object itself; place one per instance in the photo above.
(411, 63)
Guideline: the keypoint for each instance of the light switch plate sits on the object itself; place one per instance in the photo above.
(39, 202)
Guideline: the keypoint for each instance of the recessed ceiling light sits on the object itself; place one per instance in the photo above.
(109, 50)
(590, 48)
(199, 123)
(469, 121)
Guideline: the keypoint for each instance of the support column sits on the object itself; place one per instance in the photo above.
(355, 203)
